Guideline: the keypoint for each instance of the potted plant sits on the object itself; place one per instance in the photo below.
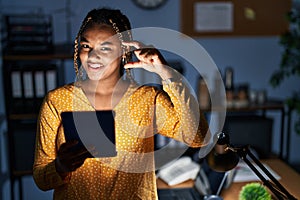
(290, 63)
(254, 191)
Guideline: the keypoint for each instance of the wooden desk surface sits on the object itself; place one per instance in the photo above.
(290, 179)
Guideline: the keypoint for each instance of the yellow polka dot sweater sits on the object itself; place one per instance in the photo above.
(141, 113)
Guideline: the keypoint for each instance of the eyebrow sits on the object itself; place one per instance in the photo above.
(107, 43)
(83, 39)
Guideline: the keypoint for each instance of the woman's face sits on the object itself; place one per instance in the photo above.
(100, 51)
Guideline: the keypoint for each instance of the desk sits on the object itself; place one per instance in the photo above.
(290, 179)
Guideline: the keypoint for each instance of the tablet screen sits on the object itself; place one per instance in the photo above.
(91, 129)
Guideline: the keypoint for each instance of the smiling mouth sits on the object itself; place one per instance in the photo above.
(95, 65)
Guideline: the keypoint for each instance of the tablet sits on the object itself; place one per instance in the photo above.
(91, 129)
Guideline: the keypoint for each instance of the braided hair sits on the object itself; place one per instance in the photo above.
(119, 23)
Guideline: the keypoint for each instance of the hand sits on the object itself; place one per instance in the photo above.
(149, 58)
(68, 159)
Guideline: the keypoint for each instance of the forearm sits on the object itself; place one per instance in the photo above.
(44, 169)
(189, 124)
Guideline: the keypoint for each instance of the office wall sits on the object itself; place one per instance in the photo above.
(253, 58)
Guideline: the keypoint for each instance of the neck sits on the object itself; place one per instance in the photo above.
(104, 94)
(102, 86)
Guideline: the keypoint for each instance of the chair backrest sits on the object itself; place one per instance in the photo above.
(252, 130)
(25, 86)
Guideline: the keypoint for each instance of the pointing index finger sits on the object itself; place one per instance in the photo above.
(135, 44)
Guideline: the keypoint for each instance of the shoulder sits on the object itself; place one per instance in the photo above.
(61, 93)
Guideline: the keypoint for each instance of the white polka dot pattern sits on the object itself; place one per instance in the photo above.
(131, 174)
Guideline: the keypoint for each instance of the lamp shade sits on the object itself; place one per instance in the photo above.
(219, 158)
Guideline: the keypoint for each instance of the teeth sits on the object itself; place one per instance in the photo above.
(94, 65)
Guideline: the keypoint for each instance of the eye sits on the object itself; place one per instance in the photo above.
(85, 47)
(106, 49)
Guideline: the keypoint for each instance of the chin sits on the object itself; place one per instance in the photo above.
(95, 77)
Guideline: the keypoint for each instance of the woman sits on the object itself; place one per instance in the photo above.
(103, 48)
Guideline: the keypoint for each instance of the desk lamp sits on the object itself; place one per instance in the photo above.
(225, 157)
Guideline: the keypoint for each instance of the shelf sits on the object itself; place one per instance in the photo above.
(269, 105)
(61, 52)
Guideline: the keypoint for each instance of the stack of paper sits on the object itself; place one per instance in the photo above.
(245, 174)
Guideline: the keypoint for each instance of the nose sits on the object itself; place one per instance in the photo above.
(94, 54)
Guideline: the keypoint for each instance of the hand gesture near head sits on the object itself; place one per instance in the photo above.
(149, 58)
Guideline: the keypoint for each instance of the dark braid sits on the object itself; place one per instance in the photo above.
(114, 18)
(76, 46)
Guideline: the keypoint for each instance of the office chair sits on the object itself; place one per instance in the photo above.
(251, 129)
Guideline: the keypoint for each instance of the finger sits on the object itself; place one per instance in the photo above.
(151, 57)
(69, 154)
(68, 145)
(137, 45)
(140, 48)
(79, 160)
(142, 52)
(92, 150)
(73, 158)
(76, 165)
(149, 50)
(136, 65)
(83, 152)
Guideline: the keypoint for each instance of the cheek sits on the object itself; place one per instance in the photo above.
(117, 61)
(112, 58)
(83, 56)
